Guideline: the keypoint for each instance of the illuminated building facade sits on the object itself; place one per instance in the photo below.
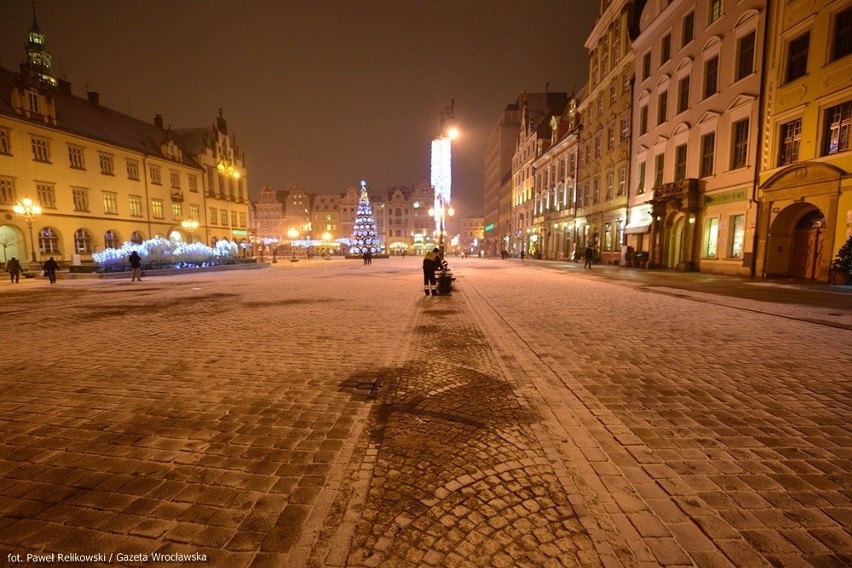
(805, 185)
(102, 177)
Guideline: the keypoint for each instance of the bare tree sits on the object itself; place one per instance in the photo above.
(7, 239)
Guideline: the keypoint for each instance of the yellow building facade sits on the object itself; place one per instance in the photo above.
(805, 189)
(101, 177)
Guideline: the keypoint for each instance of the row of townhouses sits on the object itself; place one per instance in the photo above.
(712, 135)
(404, 223)
(100, 177)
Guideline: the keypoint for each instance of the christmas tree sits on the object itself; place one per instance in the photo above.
(364, 237)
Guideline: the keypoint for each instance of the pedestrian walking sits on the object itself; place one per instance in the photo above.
(13, 267)
(523, 254)
(431, 263)
(50, 268)
(136, 266)
(588, 254)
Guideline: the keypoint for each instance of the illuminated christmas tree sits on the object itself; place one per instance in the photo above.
(364, 236)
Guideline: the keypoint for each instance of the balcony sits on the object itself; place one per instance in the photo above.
(177, 195)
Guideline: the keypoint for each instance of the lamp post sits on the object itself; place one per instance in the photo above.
(28, 210)
(190, 225)
(293, 234)
(326, 239)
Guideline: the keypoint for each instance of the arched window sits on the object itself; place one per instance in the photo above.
(82, 241)
(111, 240)
(136, 237)
(48, 241)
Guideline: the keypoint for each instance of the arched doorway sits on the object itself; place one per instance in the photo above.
(675, 244)
(796, 241)
(11, 243)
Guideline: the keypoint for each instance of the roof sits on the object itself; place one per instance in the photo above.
(88, 119)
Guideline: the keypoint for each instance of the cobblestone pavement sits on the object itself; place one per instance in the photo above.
(324, 413)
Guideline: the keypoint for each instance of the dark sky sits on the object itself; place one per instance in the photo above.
(319, 93)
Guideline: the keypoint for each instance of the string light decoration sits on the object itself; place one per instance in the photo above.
(364, 235)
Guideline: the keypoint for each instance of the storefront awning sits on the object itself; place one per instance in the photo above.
(637, 229)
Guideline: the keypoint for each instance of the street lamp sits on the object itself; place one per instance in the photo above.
(326, 239)
(293, 234)
(28, 210)
(190, 225)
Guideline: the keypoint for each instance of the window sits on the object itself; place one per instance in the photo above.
(610, 183)
(46, 193)
(132, 169)
(659, 164)
(41, 149)
(194, 212)
(32, 98)
(717, 10)
(607, 236)
(136, 237)
(596, 190)
(739, 147)
(711, 238)
(157, 209)
(154, 172)
(174, 177)
(646, 65)
(76, 157)
(797, 57)
(193, 183)
(111, 240)
(80, 196)
(737, 236)
(708, 153)
(640, 181)
(666, 48)
(711, 76)
(745, 56)
(107, 167)
(624, 135)
(680, 162)
(622, 180)
(613, 93)
(48, 241)
(177, 211)
(791, 137)
(688, 29)
(214, 218)
(838, 122)
(5, 147)
(597, 146)
(234, 220)
(7, 191)
(82, 241)
(610, 136)
(683, 95)
(135, 206)
(841, 41)
(110, 203)
(223, 217)
(662, 106)
(643, 120)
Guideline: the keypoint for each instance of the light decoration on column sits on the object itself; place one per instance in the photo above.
(441, 175)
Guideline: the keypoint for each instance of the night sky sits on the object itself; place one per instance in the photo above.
(323, 93)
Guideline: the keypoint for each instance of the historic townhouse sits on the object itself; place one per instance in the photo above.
(605, 138)
(805, 191)
(471, 233)
(525, 228)
(102, 177)
(697, 99)
(498, 179)
(402, 218)
(556, 186)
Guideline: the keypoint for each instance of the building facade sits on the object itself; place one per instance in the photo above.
(102, 177)
(604, 150)
(696, 111)
(805, 186)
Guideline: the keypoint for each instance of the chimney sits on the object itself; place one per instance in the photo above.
(65, 86)
(158, 121)
(94, 98)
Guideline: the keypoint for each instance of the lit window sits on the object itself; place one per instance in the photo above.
(111, 240)
(640, 181)
(82, 241)
(717, 10)
(135, 206)
(838, 122)
(711, 238)
(737, 238)
(110, 203)
(177, 211)
(157, 209)
(48, 241)
(791, 137)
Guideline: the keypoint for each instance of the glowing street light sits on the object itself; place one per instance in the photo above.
(442, 174)
(28, 210)
(190, 226)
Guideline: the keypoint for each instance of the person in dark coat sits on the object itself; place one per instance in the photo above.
(50, 268)
(136, 265)
(13, 267)
(588, 254)
(431, 263)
